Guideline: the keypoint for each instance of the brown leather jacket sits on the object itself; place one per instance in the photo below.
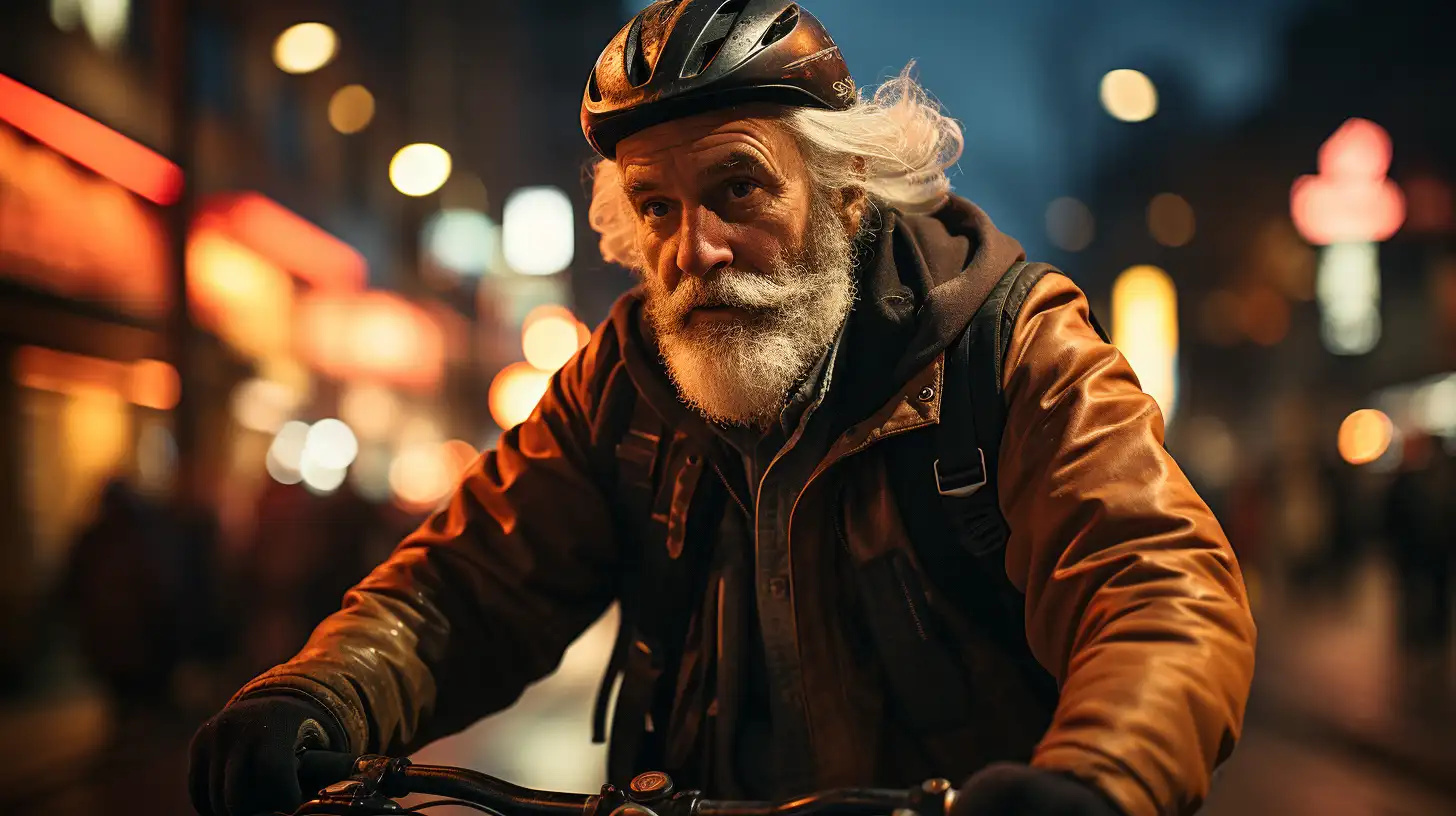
(1134, 599)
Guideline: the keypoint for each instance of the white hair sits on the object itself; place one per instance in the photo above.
(895, 144)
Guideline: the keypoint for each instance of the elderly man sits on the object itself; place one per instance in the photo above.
(878, 501)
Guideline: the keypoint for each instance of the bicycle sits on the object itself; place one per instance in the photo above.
(369, 785)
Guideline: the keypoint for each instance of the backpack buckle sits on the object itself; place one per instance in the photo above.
(963, 483)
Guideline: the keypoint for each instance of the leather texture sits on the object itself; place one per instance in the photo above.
(1134, 599)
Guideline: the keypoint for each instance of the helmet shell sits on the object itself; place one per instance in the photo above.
(682, 57)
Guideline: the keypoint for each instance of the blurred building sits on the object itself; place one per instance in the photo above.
(322, 280)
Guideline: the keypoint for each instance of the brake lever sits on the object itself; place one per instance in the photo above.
(366, 793)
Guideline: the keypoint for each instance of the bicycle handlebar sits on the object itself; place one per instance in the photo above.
(354, 785)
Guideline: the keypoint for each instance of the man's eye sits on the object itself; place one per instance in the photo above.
(741, 189)
(655, 209)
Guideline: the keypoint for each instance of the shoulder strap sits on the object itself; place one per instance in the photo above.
(973, 413)
(967, 451)
(656, 481)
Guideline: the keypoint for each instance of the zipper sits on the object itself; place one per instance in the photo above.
(899, 566)
(729, 487)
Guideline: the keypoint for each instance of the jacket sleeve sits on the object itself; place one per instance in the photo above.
(485, 597)
(1134, 598)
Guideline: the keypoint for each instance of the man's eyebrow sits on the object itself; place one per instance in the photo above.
(639, 186)
(737, 161)
(740, 160)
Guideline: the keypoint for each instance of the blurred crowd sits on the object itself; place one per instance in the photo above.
(166, 614)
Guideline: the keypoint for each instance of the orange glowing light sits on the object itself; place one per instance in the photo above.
(550, 336)
(155, 385)
(1365, 436)
(288, 240)
(515, 392)
(1351, 200)
(90, 143)
(374, 336)
(421, 476)
(236, 293)
(461, 455)
(76, 234)
(147, 383)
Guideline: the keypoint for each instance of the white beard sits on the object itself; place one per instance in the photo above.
(740, 372)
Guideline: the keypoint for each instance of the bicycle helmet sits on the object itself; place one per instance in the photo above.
(681, 57)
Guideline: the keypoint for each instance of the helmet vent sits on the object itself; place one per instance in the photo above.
(638, 71)
(783, 26)
(714, 35)
(593, 88)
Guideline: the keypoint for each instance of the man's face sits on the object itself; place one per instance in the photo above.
(747, 267)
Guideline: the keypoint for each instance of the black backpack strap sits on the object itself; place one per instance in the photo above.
(968, 449)
(658, 473)
(973, 413)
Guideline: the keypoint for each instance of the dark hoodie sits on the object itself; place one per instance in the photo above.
(920, 281)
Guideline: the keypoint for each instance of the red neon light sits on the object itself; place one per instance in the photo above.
(1350, 199)
(288, 240)
(90, 143)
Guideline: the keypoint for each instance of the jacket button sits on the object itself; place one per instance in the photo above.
(927, 394)
(694, 459)
(778, 587)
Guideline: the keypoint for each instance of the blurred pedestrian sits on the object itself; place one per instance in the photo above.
(122, 590)
(1420, 523)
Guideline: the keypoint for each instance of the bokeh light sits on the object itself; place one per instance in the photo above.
(1171, 220)
(371, 410)
(287, 447)
(1129, 95)
(1347, 284)
(1145, 329)
(1434, 406)
(1350, 200)
(105, 20)
(421, 475)
(515, 392)
(331, 445)
(1070, 224)
(419, 169)
(550, 336)
(539, 231)
(305, 48)
(319, 478)
(155, 385)
(351, 109)
(465, 242)
(263, 405)
(1364, 436)
(459, 455)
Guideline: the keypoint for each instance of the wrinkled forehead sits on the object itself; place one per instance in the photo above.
(747, 139)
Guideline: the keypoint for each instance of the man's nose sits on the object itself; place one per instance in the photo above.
(702, 243)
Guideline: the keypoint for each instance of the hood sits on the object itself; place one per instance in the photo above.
(921, 281)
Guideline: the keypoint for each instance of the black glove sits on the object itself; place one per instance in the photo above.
(245, 759)
(1005, 789)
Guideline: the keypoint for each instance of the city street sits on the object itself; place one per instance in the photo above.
(1340, 724)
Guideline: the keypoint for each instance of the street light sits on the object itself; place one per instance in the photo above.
(419, 169)
(1129, 95)
(351, 109)
(305, 48)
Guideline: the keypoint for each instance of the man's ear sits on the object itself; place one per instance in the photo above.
(853, 204)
